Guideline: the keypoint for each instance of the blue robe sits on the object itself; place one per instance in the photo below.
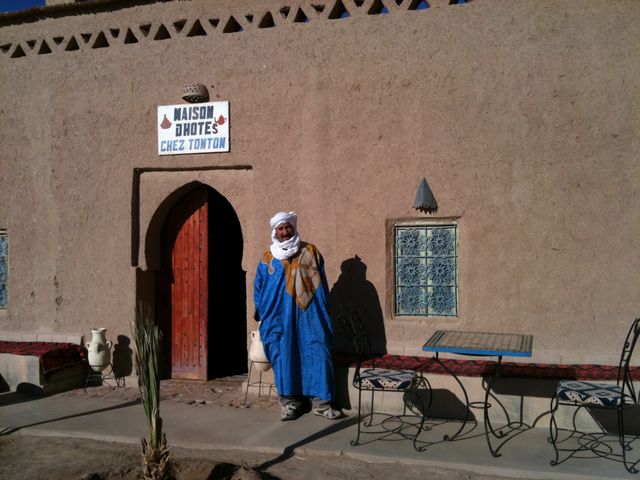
(291, 302)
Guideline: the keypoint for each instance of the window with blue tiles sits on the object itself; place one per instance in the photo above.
(426, 270)
(4, 269)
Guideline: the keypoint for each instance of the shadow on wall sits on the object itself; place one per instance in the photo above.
(122, 358)
(607, 419)
(354, 291)
(443, 404)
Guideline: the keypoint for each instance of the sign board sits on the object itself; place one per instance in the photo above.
(193, 128)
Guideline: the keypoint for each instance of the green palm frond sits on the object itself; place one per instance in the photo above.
(147, 339)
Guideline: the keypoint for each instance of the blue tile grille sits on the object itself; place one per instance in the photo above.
(426, 271)
(4, 269)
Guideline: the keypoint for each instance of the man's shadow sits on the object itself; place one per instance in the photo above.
(354, 291)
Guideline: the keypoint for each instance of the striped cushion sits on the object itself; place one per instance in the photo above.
(591, 393)
(382, 378)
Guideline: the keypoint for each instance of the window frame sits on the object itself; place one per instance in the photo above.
(427, 225)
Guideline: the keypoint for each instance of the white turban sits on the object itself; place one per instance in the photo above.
(288, 248)
(282, 217)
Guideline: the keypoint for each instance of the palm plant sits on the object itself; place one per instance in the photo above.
(156, 464)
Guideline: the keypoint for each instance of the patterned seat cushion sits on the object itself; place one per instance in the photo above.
(591, 393)
(382, 378)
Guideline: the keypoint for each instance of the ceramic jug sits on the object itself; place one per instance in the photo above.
(256, 352)
(99, 349)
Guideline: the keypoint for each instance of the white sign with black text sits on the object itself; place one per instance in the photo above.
(193, 128)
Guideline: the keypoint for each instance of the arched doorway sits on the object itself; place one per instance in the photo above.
(201, 290)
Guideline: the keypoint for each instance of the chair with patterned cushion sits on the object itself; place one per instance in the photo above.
(583, 395)
(372, 379)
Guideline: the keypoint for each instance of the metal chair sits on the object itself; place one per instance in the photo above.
(599, 396)
(372, 379)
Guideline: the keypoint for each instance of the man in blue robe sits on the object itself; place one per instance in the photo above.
(290, 294)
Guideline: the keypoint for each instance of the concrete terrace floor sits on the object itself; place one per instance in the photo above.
(211, 415)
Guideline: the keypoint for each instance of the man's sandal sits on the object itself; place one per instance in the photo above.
(328, 413)
(290, 412)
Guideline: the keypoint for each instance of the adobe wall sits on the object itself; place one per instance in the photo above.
(522, 116)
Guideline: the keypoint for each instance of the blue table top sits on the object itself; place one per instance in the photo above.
(480, 343)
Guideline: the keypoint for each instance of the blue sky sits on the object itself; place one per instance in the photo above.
(15, 5)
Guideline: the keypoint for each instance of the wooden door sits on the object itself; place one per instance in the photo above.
(190, 286)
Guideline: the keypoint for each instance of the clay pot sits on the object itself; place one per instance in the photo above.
(256, 352)
(99, 349)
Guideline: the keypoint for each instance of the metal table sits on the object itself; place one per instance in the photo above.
(481, 344)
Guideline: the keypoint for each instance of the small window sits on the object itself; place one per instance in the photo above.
(426, 270)
(4, 268)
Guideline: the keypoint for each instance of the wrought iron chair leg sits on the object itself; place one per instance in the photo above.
(425, 408)
(357, 440)
(415, 440)
(370, 411)
(623, 443)
(553, 429)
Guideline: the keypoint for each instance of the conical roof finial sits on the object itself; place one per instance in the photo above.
(425, 201)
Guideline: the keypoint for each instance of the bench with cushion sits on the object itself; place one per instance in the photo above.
(41, 363)
(480, 368)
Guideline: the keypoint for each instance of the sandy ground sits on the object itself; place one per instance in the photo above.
(29, 457)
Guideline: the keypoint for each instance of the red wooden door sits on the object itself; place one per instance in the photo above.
(190, 289)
